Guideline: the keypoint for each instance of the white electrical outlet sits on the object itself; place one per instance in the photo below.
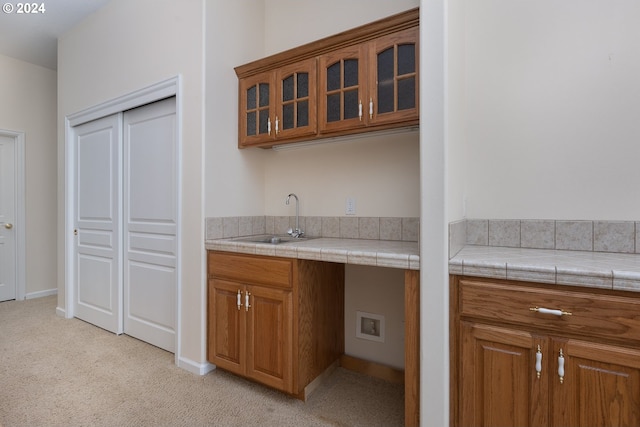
(351, 206)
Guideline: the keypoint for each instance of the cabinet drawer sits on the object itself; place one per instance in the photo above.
(592, 314)
(251, 269)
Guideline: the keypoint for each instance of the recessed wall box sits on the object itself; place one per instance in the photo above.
(370, 326)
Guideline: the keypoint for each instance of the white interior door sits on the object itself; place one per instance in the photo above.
(98, 266)
(150, 221)
(7, 218)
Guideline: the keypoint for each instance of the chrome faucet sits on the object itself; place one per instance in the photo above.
(297, 232)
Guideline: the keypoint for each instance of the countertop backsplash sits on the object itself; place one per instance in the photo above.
(572, 235)
(349, 227)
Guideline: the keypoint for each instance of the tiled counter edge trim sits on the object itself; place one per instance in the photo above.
(373, 257)
(604, 278)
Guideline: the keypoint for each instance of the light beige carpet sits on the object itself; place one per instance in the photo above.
(65, 372)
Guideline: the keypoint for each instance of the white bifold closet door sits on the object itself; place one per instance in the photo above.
(126, 216)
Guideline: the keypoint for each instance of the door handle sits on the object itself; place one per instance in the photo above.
(8, 226)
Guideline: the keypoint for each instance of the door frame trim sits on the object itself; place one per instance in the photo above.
(171, 87)
(20, 217)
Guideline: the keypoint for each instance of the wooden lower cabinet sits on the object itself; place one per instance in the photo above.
(255, 341)
(601, 385)
(513, 366)
(276, 321)
(498, 385)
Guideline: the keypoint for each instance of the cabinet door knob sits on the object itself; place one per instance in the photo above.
(8, 226)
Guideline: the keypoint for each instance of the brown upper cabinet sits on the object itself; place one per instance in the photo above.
(361, 80)
(371, 84)
(278, 104)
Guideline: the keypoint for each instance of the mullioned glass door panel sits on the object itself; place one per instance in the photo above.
(342, 89)
(257, 96)
(394, 78)
(296, 100)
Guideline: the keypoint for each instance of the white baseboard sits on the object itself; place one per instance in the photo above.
(195, 367)
(61, 312)
(40, 294)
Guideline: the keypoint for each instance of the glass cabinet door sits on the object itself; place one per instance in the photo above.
(296, 100)
(342, 86)
(256, 109)
(394, 78)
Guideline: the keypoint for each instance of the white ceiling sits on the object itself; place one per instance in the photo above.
(34, 37)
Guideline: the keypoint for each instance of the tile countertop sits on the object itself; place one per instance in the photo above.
(591, 269)
(378, 253)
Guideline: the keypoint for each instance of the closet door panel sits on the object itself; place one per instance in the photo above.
(150, 221)
(97, 235)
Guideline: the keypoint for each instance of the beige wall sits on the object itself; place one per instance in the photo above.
(290, 23)
(378, 291)
(434, 134)
(381, 172)
(126, 46)
(234, 179)
(552, 109)
(457, 155)
(29, 105)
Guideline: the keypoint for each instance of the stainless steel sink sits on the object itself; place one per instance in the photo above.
(271, 239)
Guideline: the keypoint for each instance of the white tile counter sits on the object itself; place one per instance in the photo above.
(378, 253)
(579, 268)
